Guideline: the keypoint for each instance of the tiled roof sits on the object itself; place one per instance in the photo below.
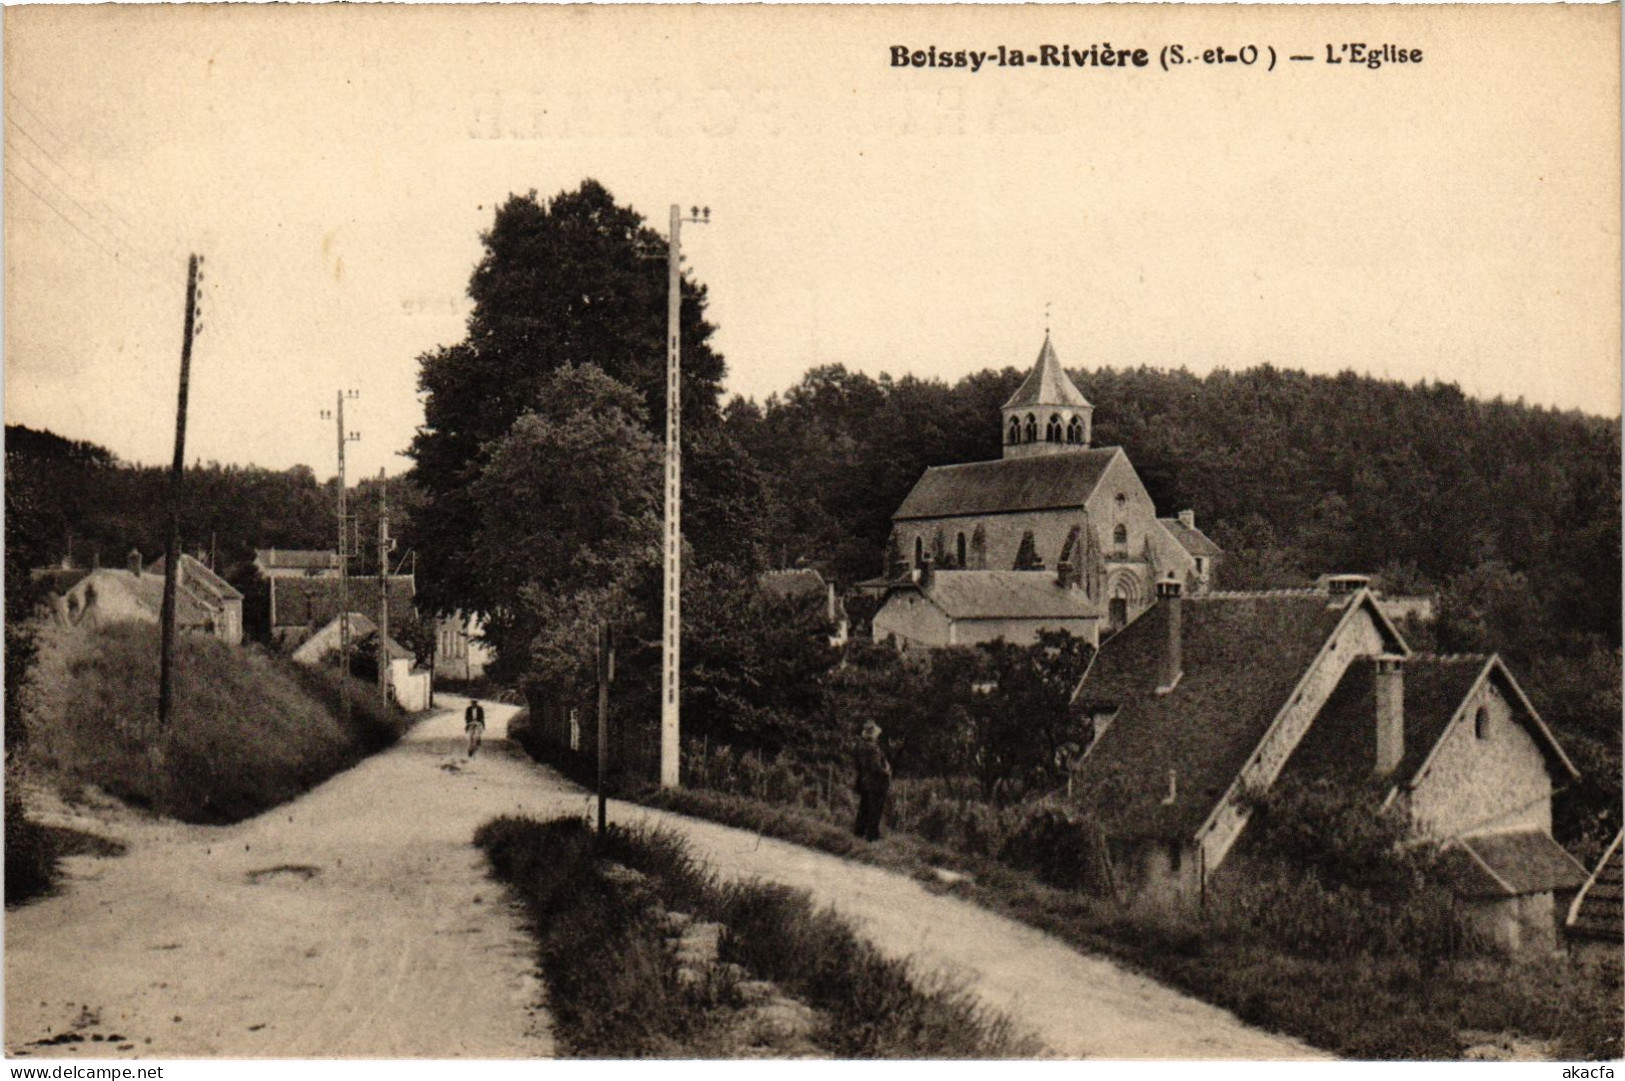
(313, 602)
(1190, 538)
(148, 592)
(1343, 740)
(1040, 482)
(1047, 384)
(1508, 864)
(1005, 595)
(1599, 908)
(195, 572)
(1242, 656)
(296, 558)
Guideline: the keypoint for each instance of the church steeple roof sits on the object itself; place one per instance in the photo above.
(1047, 384)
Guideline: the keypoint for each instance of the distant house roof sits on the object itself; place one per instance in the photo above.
(1343, 740)
(1040, 482)
(1003, 595)
(313, 602)
(1508, 864)
(1243, 655)
(1598, 910)
(146, 591)
(296, 558)
(195, 572)
(328, 636)
(1047, 384)
(1190, 538)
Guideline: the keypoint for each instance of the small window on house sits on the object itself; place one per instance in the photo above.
(919, 551)
(1052, 431)
(1481, 723)
(959, 550)
(1201, 564)
(1122, 501)
(1119, 535)
(1015, 430)
(1032, 429)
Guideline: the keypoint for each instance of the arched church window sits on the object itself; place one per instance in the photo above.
(1074, 430)
(919, 551)
(1015, 430)
(1481, 723)
(1031, 429)
(1120, 535)
(1052, 431)
(960, 552)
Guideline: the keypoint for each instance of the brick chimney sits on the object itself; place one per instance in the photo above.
(135, 562)
(1187, 518)
(1173, 659)
(1389, 681)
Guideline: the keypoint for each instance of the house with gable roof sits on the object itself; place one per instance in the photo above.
(1207, 699)
(1055, 534)
(204, 602)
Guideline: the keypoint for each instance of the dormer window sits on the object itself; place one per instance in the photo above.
(1031, 429)
(1052, 432)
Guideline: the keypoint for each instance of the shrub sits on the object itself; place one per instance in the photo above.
(30, 852)
(1059, 845)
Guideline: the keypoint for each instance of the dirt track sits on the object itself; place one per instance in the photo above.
(358, 921)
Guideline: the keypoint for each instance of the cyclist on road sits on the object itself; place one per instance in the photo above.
(474, 725)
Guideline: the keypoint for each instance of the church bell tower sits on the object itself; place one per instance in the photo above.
(1047, 414)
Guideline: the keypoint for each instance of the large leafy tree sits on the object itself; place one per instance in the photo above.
(575, 280)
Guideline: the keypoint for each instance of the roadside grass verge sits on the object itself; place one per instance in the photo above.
(248, 730)
(1362, 1007)
(601, 905)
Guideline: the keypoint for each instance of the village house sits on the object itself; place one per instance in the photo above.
(205, 603)
(296, 563)
(1056, 534)
(1596, 918)
(1208, 699)
(409, 685)
(301, 605)
(459, 651)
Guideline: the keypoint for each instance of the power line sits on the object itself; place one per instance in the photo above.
(61, 143)
(71, 223)
(112, 234)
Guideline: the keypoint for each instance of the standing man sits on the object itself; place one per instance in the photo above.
(874, 779)
(474, 724)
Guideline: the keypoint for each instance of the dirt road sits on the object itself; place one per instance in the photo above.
(357, 921)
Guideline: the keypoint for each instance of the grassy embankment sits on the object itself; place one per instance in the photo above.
(617, 917)
(1297, 961)
(248, 731)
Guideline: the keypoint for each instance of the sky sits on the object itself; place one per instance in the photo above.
(1455, 219)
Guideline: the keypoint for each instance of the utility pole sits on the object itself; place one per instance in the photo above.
(344, 437)
(384, 547)
(606, 674)
(172, 547)
(671, 614)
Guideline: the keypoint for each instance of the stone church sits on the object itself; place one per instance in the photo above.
(1056, 534)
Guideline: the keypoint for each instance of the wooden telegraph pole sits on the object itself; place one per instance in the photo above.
(344, 552)
(671, 613)
(606, 674)
(384, 545)
(172, 546)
